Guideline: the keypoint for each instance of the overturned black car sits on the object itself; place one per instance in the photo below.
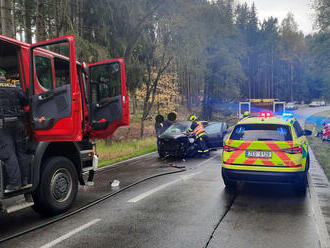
(176, 142)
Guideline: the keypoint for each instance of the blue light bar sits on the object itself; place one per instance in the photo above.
(286, 114)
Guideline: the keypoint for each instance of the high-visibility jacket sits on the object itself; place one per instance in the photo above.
(197, 129)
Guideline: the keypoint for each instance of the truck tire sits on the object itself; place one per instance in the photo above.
(58, 187)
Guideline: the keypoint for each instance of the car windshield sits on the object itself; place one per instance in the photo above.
(178, 128)
(261, 132)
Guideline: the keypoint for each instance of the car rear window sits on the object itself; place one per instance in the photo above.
(261, 132)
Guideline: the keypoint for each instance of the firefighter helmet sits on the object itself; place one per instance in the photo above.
(246, 114)
(193, 118)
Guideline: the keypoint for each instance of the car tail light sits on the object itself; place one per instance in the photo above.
(229, 148)
(294, 150)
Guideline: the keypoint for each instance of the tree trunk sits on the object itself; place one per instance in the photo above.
(134, 103)
(40, 21)
(7, 25)
(206, 101)
(272, 78)
(142, 129)
(27, 19)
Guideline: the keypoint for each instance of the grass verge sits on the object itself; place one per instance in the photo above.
(320, 149)
(122, 150)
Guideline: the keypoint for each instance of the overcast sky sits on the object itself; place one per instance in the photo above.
(301, 10)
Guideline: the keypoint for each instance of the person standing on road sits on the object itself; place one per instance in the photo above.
(198, 130)
(159, 125)
(12, 134)
(171, 117)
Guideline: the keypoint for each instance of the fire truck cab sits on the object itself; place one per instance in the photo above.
(71, 104)
(255, 106)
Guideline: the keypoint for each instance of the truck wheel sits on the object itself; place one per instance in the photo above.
(58, 187)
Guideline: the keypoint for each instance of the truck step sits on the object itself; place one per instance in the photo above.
(16, 203)
(18, 207)
(21, 188)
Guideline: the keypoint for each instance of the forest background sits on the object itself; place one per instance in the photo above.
(198, 55)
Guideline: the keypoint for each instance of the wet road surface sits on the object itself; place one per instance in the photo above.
(185, 212)
(127, 173)
(190, 209)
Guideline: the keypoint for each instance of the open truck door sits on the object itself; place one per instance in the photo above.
(54, 89)
(243, 107)
(279, 108)
(109, 105)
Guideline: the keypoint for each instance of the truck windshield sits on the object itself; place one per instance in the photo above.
(261, 132)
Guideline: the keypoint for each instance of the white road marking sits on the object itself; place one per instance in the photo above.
(207, 160)
(189, 176)
(68, 235)
(150, 192)
(124, 161)
(135, 158)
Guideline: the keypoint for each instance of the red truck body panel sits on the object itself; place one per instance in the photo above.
(76, 125)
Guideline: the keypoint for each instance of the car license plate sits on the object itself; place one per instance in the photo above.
(258, 154)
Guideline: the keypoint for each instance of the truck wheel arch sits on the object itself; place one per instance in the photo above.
(46, 150)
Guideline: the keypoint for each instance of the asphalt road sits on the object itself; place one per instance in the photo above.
(189, 209)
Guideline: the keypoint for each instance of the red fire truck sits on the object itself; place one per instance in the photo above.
(255, 106)
(71, 104)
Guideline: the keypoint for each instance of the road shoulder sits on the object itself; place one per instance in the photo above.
(320, 193)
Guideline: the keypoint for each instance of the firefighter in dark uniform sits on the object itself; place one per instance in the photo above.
(12, 134)
(198, 130)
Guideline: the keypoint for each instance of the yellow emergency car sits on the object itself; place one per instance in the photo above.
(266, 149)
